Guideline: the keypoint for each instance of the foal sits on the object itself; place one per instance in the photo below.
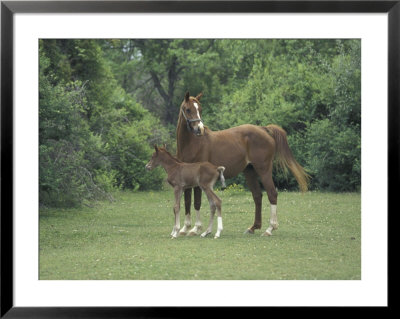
(187, 175)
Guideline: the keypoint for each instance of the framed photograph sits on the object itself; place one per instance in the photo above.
(333, 69)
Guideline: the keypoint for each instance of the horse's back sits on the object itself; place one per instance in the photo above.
(239, 146)
(238, 133)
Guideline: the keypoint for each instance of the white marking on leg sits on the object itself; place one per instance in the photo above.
(197, 226)
(198, 221)
(210, 226)
(186, 225)
(274, 217)
(220, 227)
(273, 221)
(175, 231)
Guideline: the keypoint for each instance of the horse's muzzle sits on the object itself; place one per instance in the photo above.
(199, 130)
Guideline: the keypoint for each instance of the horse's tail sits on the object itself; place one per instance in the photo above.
(285, 158)
(221, 170)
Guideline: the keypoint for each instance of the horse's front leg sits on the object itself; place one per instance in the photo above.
(178, 195)
(197, 204)
(188, 220)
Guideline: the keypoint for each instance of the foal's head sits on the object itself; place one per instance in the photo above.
(155, 159)
(160, 155)
(191, 111)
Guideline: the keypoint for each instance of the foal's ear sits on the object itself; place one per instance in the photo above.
(198, 97)
(156, 148)
(187, 95)
(165, 145)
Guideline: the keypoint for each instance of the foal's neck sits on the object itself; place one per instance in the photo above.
(168, 162)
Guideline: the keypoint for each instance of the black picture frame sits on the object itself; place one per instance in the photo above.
(9, 8)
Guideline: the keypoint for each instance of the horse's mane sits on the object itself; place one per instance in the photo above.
(178, 133)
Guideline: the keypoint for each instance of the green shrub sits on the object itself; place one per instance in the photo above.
(334, 156)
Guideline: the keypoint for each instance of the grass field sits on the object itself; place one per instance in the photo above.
(319, 237)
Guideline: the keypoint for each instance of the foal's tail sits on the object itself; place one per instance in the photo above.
(285, 158)
(221, 170)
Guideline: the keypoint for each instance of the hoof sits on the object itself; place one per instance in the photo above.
(182, 233)
(216, 237)
(192, 233)
(173, 236)
(204, 235)
(249, 231)
(266, 234)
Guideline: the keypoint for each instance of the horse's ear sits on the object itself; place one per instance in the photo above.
(156, 148)
(198, 97)
(187, 95)
(165, 145)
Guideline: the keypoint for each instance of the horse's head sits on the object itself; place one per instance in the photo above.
(155, 158)
(191, 111)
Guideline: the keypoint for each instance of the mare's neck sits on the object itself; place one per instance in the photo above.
(184, 137)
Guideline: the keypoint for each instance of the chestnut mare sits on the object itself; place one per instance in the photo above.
(246, 148)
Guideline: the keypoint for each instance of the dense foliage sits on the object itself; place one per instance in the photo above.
(104, 103)
(93, 136)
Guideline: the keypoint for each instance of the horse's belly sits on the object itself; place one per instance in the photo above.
(233, 164)
(232, 171)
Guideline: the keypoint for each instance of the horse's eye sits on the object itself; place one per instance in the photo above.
(188, 111)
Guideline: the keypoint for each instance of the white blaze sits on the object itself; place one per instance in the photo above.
(198, 115)
(197, 109)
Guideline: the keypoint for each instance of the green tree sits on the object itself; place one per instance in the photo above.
(93, 136)
(310, 87)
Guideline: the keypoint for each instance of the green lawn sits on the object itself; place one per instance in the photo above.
(319, 237)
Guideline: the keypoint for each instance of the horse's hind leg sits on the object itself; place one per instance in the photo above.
(218, 202)
(252, 182)
(197, 204)
(188, 219)
(213, 206)
(268, 183)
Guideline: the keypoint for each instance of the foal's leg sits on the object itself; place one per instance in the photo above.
(178, 195)
(212, 212)
(188, 220)
(197, 204)
(217, 202)
(268, 183)
(252, 182)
